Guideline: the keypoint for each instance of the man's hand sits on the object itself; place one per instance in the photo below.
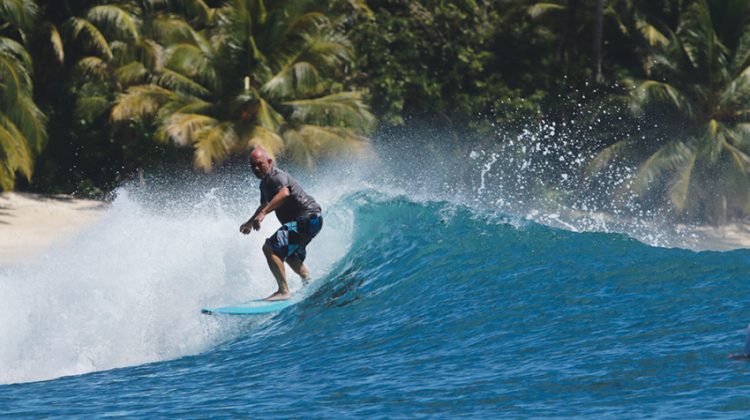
(247, 227)
(253, 223)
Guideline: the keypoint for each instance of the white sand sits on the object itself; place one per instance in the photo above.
(721, 238)
(30, 223)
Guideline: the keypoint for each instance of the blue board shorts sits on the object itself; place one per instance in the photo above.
(292, 237)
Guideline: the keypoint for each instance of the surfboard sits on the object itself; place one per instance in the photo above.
(255, 307)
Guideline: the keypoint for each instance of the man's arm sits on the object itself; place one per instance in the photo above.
(263, 210)
(248, 226)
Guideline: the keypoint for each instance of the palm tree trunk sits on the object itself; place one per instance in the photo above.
(596, 74)
(568, 33)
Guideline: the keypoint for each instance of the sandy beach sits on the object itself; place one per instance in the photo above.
(30, 223)
(722, 238)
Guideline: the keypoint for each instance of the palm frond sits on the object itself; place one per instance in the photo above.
(649, 91)
(605, 156)
(183, 129)
(741, 61)
(188, 106)
(180, 83)
(151, 54)
(327, 49)
(168, 29)
(15, 153)
(267, 139)
(670, 157)
(741, 136)
(122, 53)
(653, 36)
(94, 37)
(56, 41)
(680, 189)
(16, 80)
(302, 23)
(701, 43)
(268, 117)
(93, 67)
(711, 143)
(30, 120)
(740, 158)
(344, 109)
(16, 52)
(19, 13)
(298, 78)
(541, 9)
(736, 93)
(213, 144)
(307, 142)
(131, 74)
(201, 10)
(360, 6)
(140, 101)
(191, 60)
(115, 18)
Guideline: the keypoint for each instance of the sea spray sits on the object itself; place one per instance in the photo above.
(129, 289)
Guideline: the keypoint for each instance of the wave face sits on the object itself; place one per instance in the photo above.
(420, 308)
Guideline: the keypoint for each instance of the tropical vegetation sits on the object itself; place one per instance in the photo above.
(22, 129)
(120, 85)
(699, 73)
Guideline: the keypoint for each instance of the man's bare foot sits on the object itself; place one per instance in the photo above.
(279, 296)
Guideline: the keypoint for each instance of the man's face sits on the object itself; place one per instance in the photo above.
(260, 166)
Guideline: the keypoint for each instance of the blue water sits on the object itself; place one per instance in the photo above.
(420, 308)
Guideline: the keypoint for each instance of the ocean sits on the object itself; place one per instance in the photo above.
(431, 298)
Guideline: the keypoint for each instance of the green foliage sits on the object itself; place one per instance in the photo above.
(22, 125)
(257, 74)
(442, 61)
(703, 74)
(126, 83)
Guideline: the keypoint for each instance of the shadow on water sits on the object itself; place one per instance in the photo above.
(343, 292)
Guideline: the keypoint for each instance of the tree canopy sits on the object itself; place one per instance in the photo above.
(123, 84)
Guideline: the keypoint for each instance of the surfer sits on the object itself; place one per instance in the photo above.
(298, 213)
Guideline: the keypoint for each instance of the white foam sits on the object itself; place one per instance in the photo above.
(129, 290)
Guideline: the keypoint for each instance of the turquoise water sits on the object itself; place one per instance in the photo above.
(421, 307)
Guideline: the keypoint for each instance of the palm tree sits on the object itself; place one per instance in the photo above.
(702, 70)
(259, 73)
(123, 44)
(22, 124)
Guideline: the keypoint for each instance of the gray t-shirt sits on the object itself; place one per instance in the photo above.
(297, 205)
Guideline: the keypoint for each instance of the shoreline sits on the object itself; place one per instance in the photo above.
(727, 237)
(31, 223)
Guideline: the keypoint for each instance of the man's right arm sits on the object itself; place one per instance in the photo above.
(251, 224)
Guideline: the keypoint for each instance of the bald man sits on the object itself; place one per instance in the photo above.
(298, 213)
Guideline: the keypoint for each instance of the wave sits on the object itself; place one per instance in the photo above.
(128, 290)
(463, 311)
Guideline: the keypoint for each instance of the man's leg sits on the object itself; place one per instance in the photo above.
(297, 259)
(277, 268)
(299, 267)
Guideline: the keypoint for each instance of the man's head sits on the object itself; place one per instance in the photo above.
(260, 162)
